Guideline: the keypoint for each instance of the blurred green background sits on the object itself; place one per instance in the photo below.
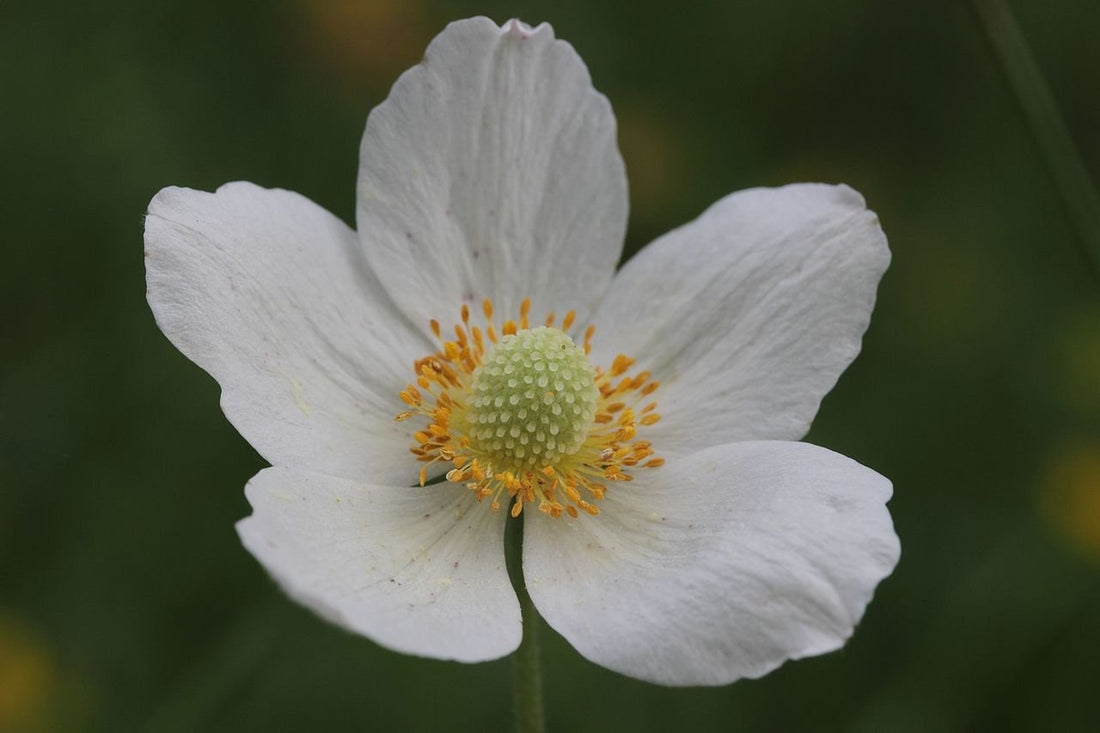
(126, 600)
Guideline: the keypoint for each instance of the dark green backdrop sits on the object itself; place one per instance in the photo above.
(126, 600)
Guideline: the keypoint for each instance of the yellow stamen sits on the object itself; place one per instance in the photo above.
(523, 415)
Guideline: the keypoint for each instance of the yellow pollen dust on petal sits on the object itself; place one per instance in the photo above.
(521, 415)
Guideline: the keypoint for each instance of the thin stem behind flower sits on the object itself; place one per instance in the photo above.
(1047, 126)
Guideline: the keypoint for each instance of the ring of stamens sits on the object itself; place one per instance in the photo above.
(523, 415)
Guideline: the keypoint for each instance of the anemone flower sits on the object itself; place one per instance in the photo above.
(470, 356)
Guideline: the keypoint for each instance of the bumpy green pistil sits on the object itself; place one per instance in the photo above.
(534, 400)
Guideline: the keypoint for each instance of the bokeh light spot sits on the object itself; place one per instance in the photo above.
(27, 678)
(1070, 494)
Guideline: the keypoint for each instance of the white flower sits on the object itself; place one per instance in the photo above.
(492, 172)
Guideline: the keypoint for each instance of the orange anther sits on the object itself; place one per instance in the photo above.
(621, 364)
(446, 377)
(449, 373)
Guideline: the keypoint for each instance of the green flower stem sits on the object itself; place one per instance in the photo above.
(526, 665)
(1047, 126)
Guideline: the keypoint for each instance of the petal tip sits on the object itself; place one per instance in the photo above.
(518, 29)
(849, 195)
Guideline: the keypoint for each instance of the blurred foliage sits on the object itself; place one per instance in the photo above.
(126, 601)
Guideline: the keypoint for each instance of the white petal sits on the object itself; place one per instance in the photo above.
(271, 295)
(749, 314)
(492, 170)
(418, 570)
(722, 566)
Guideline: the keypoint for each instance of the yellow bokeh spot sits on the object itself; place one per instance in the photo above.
(1070, 495)
(366, 43)
(654, 155)
(27, 678)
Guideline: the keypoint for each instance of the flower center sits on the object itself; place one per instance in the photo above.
(534, 400)
(528, 416)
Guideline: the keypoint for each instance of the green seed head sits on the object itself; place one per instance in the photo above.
(533, 401)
